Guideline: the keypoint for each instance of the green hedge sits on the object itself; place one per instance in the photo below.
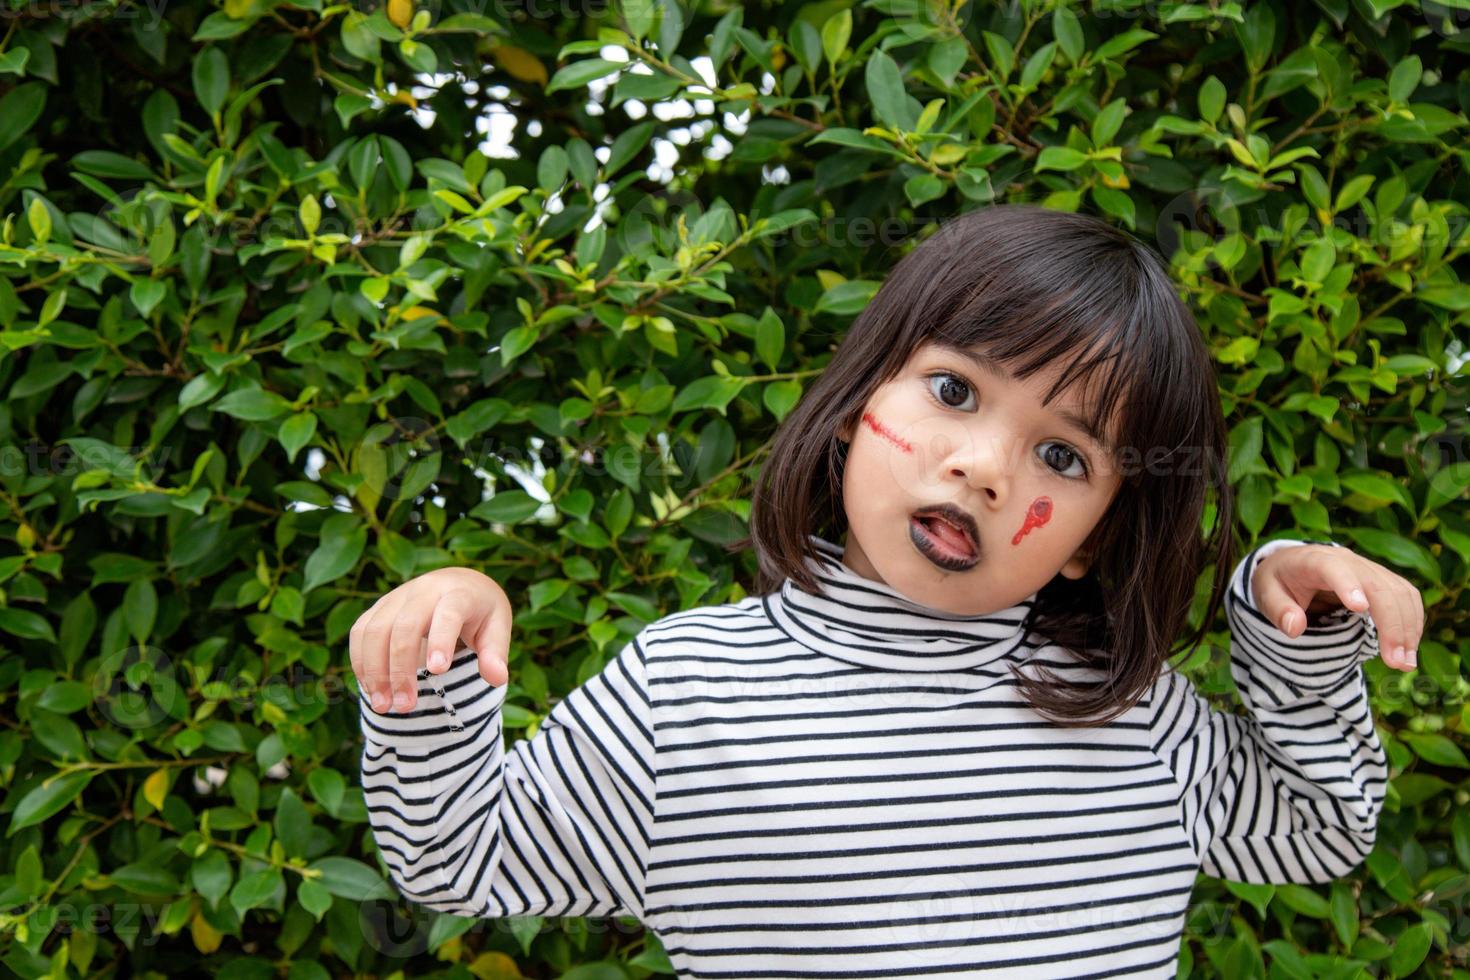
(278, 337)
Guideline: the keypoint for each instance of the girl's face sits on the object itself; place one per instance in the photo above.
(951, 430)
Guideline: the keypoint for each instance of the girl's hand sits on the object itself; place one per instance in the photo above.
(422, 623)
(1306, 579)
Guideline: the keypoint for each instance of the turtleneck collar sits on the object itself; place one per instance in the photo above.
(869, 623)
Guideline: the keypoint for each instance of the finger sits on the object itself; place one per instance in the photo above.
(447, 622)
(406, 645)
(1416, 619)
(355, 643)
(491, 640)
(1388, 619)
(1397, 636)
(1345, 583)
(1282, 606)
(376, 627)
(1408, 638)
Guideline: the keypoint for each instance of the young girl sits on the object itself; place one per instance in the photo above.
(952, 743)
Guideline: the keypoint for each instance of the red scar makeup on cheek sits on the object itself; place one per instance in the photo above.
(884, 431)
(1036, 516)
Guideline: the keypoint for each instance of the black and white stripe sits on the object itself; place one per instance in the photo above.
(850, 785)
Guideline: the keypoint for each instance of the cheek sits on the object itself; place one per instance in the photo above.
(1037, 515)
(877, 426)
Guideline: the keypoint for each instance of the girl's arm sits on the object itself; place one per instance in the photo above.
(559, 825)
(1291, 791)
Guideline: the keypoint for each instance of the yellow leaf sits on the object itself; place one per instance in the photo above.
(155, 788)
(495, 966)
(400, 12)
(829, 278)
(519, 63)
(1237, 148)
(404, 97)
(414, 312)
(949, 153)
(1120, 183)
(206, 939)
(238, 9)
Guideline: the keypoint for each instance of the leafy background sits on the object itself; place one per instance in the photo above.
(300, 300)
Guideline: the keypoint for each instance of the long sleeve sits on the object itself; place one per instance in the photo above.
(559, 825)
(1290, 791)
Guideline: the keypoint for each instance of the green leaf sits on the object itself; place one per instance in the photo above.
(252, 405)
(58, 734)
(508, 507)
(1435, 748)
(1405, 78)
(48, 798)
(1397, 549)
(350, 878)
(1067, 29)
(147, 294)
(770, 337)
(25, 624)
(105, 163)
(1410, 948)
(211, 78)
(255, 889)
(1211, 99)
(295, 432)
(922, 188)
(292, 824)
(1303, 900)
(328, 786)
(579, 73)
(1344, 913)
(1106, 123)
(1059, 158)
(65, 697)
(19, 110)
(1122, 44)
(886, 92)
(780, 397)
(1258, 895)
(836, 31)
(314, 898)
(341, 546)
(847, 298)
(714, 391)
(1448, 483)
(211, 875)
(144, 879)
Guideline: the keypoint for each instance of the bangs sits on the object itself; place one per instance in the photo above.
(1099, 309)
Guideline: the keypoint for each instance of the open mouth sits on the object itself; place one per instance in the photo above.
(946, 537)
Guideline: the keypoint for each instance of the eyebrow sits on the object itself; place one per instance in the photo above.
(987, 366)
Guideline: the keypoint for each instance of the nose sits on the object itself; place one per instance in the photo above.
(982, 458)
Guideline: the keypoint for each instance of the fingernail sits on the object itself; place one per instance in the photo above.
(1287, 622)
(380, 701)
(437, 660)
(1358, 596)
(400, 701)
(1413, 657)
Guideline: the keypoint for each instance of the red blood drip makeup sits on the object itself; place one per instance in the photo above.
(1036, 516)
(885, 432)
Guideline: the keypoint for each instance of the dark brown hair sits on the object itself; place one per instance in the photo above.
(1030, 286)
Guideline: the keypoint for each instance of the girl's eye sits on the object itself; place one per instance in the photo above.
(1067, 454)
(953, 386)
(948, 388)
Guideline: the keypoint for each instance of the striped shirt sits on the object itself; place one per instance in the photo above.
(851, 785)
